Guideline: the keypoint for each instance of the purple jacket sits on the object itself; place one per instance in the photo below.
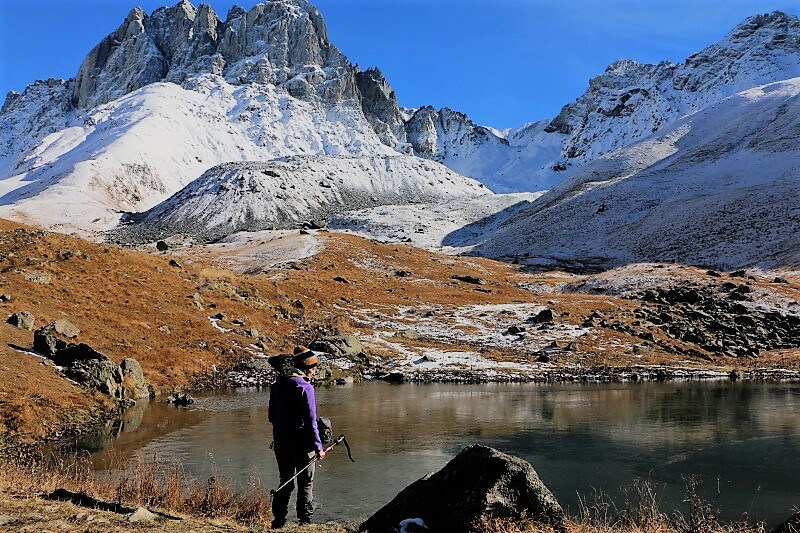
(293, 413)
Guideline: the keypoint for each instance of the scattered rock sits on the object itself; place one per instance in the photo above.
(469, 279)
(779, 279)
(219, 316)
(738, 274)
(341, 279)
(141, 515)
(515, 330)
(164, 329)
(735, 375)
(573, 346)
(545, 316)
(543, 357)
(180, 399)
(175, 264)
(38, 277)
(392, 377)
(348, 346)
(713, 273)
(409, 334)
(478, 485)
(5, 297)
(22, 320)
(402, 273)
(161, 246)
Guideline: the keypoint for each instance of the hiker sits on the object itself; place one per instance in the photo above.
(293, 414)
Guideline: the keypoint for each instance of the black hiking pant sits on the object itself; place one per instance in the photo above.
(290, 461)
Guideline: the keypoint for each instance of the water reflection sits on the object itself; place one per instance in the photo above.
(745, 435)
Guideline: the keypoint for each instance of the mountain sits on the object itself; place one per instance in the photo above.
(287, 192)
(718, 188)
(169, 95)
(625, 104)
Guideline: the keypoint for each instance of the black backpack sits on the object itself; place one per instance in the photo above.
(325, 430)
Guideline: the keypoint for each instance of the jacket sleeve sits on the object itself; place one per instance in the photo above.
(311, 422)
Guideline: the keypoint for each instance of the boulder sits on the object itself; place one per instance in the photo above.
(134, 376)
(469, 279)
(338, 345)
(792, 525)
(22, 320)
(46, 342)
(64, 327)
(180, 398)
(545, 316)
(90, 368)
(478, 485)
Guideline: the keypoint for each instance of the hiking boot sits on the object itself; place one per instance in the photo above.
(278, 523)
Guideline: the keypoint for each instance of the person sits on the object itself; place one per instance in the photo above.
(296, 442)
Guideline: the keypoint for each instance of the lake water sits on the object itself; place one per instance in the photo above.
(743, 438)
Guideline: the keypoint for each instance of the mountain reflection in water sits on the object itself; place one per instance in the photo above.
(742, 437)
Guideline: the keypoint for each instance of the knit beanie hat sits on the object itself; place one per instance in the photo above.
(304, 357)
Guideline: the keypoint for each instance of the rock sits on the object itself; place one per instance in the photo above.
(219, 316)
(22, 320)
(141, 515)
(338, 346)
(161, 246)
(735, 375)
(792, 525)
(175, 264)
(778, 279)
(738, 274)
(402, 273)
(515, 330)
(469, 279)
(282, 364)
(573, 346)
(545, 316)
(713, 273)
(393, 377)
(478, 485)
(5, 297)
(181, 399)
(47, 342)
(134, 376)
(409, 334)
(90, 368)
(38, 277)
(543, 358)
(64, 327)
(164, 329)
(341, 279)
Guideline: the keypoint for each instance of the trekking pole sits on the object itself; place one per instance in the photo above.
(340, 438)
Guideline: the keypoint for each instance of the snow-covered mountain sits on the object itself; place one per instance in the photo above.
(170, 95)
(283, 193)
(718, 188)
(625, 104)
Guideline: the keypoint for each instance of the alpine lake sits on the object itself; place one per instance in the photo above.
(743, 438)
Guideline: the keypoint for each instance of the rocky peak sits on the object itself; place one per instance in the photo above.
(277, 42)
(630, 101)
(380, 106)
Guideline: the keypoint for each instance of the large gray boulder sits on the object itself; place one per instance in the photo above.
(90, 368)
(338, 346)
(134, 376)
(22, 320)
(478, 485)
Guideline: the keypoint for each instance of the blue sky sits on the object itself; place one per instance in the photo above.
(503, 62)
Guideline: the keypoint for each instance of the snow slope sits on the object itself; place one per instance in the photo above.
(719, 188)
(284, 193)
